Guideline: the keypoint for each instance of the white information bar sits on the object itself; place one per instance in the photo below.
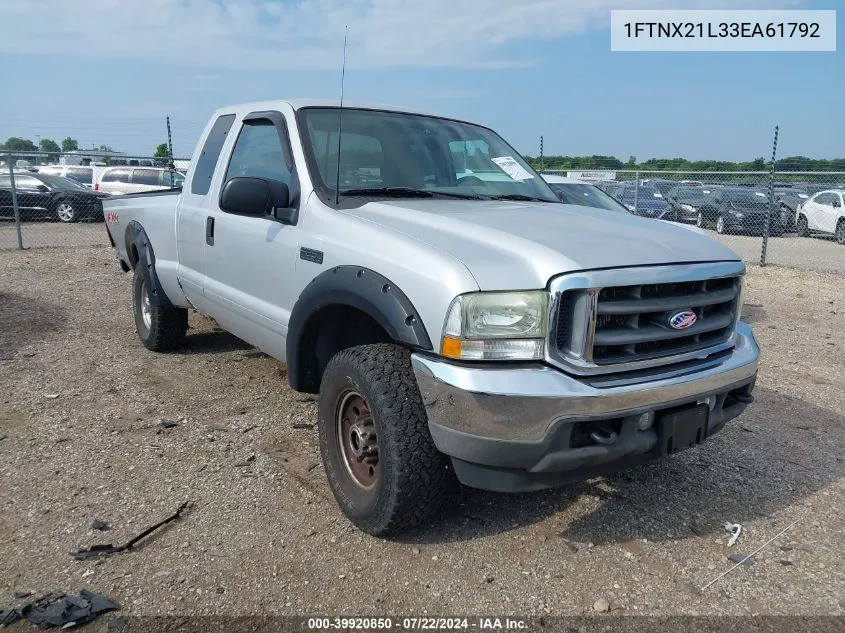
(722, 30)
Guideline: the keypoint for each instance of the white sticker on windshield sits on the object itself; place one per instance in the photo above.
(512, 168)
(757, 193)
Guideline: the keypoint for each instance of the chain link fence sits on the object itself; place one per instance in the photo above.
(795, 219)
(52, 201)
(787, 217)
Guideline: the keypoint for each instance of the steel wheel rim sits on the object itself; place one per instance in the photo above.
(146, 306)
(65, 212)
(356, 436)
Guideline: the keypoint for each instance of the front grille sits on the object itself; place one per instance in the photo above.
(629, 324)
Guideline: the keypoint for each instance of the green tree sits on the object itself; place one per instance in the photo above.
(70, 145)
(105, 148)
(16, 144)
(162, 151)
(49, 146)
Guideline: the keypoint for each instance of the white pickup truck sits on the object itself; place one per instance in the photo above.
(456, 319)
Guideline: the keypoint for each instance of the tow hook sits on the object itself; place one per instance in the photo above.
(745, 398)
(604, 436)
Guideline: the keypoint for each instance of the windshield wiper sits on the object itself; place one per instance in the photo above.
(405, 192)
(519, 197)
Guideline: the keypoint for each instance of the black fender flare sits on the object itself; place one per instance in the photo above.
(360, 288)
(138, 242)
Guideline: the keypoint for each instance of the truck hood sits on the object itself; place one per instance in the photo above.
(515, 245)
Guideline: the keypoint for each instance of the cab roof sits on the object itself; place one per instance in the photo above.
(298, 104)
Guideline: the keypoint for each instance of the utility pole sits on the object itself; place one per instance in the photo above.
(541, 153)
(169, 144)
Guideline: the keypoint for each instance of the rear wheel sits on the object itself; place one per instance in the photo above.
(720, 225)
(801, 226)
(66, 211)
(382, 465)
(840, 231)
(160, 327)
(699, 221)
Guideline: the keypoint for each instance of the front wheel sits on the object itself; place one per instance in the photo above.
(699, 221)
(382, 465)
(801, 226)
(840, 231)
(160, 326)
(720, 225)
(66, 212)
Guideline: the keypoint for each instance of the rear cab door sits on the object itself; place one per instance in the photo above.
(192, 213)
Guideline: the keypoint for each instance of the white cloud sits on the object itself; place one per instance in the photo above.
(308, 34)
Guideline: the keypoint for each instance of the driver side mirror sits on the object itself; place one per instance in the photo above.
(257, 197)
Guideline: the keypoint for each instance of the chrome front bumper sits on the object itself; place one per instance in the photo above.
(522, 417)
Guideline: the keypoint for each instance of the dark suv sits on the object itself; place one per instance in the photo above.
(738, 209)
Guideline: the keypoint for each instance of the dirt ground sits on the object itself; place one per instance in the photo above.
(82, 405)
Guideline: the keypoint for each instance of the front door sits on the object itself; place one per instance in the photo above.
(250, 261)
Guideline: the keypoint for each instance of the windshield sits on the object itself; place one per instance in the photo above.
(746, 197)
(586, 195)
(692, 193)
(391, 153)
(60, 182)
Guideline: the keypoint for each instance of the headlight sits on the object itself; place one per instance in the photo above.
(688, 207)
(496, 326)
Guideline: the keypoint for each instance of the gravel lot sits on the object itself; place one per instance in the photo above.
(81, 404)
(49, 234)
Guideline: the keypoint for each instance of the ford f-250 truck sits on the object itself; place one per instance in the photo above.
(456, 319)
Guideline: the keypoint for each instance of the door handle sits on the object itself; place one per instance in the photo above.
(209, 231)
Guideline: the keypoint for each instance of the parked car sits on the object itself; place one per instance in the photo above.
(644, 200)
(738, 209)
(663, 186)
(81, 173)
(452, 326)
(823, 213)
(789, 200)
(123, 180)
(580, 192)
(586, 194)
(42, 196)
(685, 200)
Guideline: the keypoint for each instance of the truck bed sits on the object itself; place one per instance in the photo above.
(155, 212)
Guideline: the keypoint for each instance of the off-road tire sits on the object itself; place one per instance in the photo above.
(413, 477)
(167, 324)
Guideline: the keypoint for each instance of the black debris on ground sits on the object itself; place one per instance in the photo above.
(60, 610)
(106, 550)
(96, 524)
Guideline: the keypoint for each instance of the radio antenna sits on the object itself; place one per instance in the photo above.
(340, 119)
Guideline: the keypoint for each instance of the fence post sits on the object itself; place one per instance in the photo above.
(770, 210)
(15, 207)
(636, 191)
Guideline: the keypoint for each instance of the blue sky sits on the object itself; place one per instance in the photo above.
(112, 72)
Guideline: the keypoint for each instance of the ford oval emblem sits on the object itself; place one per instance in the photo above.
(682, 320)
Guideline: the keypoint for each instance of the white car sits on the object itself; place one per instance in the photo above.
(126, 180)
(823, 213)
